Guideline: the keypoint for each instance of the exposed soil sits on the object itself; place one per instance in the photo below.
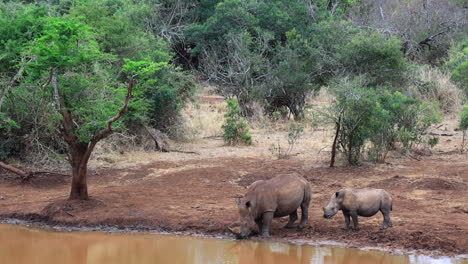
(430, 211)
(195, 193)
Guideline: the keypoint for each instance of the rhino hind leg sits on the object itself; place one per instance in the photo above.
(386, 214)
(292, 219)
(305, 210)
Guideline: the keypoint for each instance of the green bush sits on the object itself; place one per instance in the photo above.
(7, 142)
(433, 141)
(405, 119)
(464, 124)
(236, 129)
(165, 99)
(464, 118)
(458, 64)
(354, 110)
(289, 82)
(379, 117)
(376, 56)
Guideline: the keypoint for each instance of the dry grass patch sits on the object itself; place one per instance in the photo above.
(436, 85)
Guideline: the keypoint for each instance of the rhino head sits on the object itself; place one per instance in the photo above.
(247, 222)
(334, 205)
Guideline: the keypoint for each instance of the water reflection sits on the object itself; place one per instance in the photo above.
(21, 245)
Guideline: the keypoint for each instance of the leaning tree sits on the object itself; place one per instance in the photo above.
(88, 96)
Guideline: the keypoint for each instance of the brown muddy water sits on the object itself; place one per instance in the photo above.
(20, 245)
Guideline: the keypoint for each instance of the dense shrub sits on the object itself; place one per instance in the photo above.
(379, 117)
(236, 129)
(353, 112)
(458, 64)
(425, 28)
(7, 143)
(262, 49)
(377, 57)
(464, 125)
(289, 81)
(166, 98)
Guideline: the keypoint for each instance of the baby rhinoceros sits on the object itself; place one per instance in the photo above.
(276, 197)
(360, 202)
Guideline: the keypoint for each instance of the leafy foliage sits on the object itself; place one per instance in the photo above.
(236, 129)
(92, 48)
(258, 49)
(464, 118)
(458, 64)
(376, 56)
(272, 53)
(19, 25)
(425, 28)
(464, 125)
(379, 117)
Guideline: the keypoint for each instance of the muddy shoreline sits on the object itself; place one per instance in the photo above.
(196, 197)
(36, 221)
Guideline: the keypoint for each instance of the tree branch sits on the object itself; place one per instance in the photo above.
(14, 80)
(431, 38)
(103, 133)
(67, 122)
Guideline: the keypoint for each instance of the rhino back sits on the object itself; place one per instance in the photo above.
(367, 202)
(287, 193)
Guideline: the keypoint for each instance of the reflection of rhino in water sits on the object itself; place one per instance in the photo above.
(276, 197)
(278, 253)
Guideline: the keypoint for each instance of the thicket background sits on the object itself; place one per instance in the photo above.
(393, 67)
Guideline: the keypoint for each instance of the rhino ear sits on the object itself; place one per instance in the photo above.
(339, 196)
(238, 202)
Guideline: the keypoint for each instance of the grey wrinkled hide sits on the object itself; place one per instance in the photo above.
(277, 197)
(360, 202)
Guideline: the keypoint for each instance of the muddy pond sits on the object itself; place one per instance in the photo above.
(36, 246)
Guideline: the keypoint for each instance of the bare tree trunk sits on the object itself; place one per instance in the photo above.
(333, 152)
(79, 163)
(350, 149)
(17, 171)
(463, 141)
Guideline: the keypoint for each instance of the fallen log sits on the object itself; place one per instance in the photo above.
(23, 174)
(442, 134)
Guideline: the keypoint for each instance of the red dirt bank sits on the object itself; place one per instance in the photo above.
(430, 199)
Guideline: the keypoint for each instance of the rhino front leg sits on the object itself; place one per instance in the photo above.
(259, 225)
(266, 224)
(292, 219)
(355, 220)
(347, 220)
